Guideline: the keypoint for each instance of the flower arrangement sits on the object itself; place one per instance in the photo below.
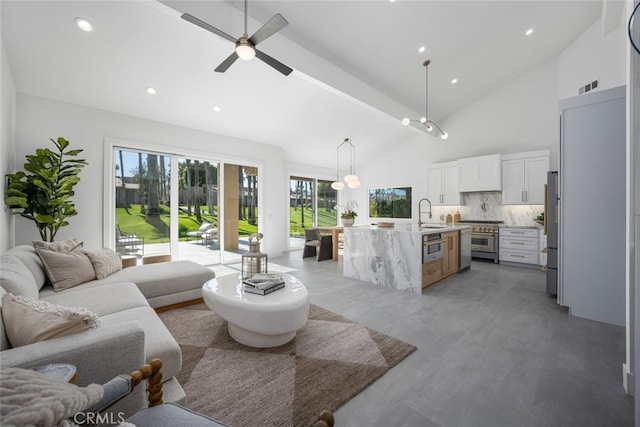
(348, 214)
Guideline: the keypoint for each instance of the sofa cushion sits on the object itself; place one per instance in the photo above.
(99, 298)
(64, 246)
(27, 254)
(158, 341)
(105, 261)
(164, 278)
(28, 320)
(16, 278)
(66, 270)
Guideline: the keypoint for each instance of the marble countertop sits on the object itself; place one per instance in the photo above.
(411, 228)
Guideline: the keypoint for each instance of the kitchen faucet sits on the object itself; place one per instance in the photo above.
(420, 211)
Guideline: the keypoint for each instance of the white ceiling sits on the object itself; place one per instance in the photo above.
(357, 68)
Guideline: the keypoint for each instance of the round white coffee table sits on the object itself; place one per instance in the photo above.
(258, 320)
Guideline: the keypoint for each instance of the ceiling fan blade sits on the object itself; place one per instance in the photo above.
(272, 26)
(273, 62)
(207, 27)
(227, 62)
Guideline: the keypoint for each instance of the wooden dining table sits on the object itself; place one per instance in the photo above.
(335, 234)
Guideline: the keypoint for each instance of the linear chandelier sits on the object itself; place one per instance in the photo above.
(351, 179)
(430, 125)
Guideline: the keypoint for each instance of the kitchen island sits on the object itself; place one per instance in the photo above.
(393, 256)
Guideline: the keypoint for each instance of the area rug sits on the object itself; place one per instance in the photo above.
(330, 360)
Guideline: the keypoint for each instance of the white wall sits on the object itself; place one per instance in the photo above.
(593, 56)
(39, 119)
(7, 138)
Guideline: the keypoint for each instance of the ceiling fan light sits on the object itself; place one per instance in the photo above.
(429, 127)
(337, 185)
(245, 52)
(444, 135)
(406, 121)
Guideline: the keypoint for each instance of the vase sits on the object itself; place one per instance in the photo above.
(348, 222)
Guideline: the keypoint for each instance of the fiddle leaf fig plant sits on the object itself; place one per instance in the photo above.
(42, 192)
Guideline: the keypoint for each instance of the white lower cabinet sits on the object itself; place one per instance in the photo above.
(543, 246)
(520, 245)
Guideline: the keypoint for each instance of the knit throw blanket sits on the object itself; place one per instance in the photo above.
(31, 398)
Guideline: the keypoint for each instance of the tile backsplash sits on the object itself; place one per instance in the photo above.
(488, 206)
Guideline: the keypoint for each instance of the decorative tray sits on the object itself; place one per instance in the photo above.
(539, 221)
(386, 224)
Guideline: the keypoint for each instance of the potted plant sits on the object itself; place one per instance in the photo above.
(348, 217)
(42, 192)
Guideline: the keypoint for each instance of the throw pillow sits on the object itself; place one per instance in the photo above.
(35, 399)
(105, 262)
(66, 270)
(64, 247)
(28, 320)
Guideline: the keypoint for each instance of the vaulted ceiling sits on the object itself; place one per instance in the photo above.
(357, 66)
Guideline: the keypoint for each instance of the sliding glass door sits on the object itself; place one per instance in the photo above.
(311, 204)
(142, 200)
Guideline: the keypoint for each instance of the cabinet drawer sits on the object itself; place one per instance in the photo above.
(519, 232)
(519, 256)
(431, 272)
(518, 243)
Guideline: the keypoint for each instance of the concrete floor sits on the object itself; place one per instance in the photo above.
(493, 350)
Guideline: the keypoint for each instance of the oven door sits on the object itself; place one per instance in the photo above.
(483, 242)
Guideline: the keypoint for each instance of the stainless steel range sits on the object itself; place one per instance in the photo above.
(484, 238)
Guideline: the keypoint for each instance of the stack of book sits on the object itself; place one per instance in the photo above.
(263, 283)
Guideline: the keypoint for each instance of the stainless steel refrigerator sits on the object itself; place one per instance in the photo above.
(551, 230)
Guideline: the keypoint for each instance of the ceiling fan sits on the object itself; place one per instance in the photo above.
(245, 45)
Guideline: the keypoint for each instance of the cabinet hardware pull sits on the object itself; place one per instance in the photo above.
(517, 256)
(544, 268)
(517, 243)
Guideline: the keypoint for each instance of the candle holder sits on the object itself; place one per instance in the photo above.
(254, 261)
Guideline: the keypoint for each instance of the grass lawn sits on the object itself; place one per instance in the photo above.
(134, 222)
(325, 219)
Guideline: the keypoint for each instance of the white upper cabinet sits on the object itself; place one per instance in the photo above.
(523, 178)
(442, 184)
(480, 174)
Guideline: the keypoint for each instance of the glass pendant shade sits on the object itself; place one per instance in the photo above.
(406, 121)
(353, 184)
(337, 185)
(350, 178)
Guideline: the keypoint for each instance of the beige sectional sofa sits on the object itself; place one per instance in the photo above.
(131, 333)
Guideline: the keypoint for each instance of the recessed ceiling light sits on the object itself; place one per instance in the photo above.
(150, 90)
(216, 108)
(454, 81)
(422, 49)
(529, 32)
(83, 24)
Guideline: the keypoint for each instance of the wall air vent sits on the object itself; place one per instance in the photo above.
(588, 87)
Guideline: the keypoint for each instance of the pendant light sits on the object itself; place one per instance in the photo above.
(430, 125)
(351, 178)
